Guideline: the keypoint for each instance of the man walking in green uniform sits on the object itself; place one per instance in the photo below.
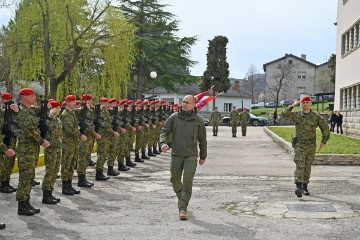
(188, 130)
(234, 120)
(304, 141)
(27, 150)
(244, 120)
(215, 119)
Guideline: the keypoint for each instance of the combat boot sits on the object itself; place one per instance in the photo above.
(47, 199)
(155, 151)
(137, 158)
(24, 210)
(2, 226)
(35, 183)
(143, 155)
(71, 187)
(299, 189)
(92, 163)
(100, 176)
(82, 182)
(129, 163)
(65, 188)
(56, 199)
(159, 150)
(4, 188)
(10, 187)
(112, 172)
(305, 189)
(150, 153)
(29, 206)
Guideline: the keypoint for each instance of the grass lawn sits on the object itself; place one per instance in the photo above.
(337, 144)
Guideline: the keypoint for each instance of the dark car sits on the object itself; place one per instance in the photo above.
(206, 122)
(254, 120)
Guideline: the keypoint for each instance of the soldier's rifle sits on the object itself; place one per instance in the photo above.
(153, 117)
(97, 117)
(141, 114)
(124, 115)
(147, 114)
(160, 113)
(132, 114)
(9, 121)
(115, 123)
(44, 116)
(83, 117)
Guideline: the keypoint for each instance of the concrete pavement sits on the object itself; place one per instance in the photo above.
(244, 191)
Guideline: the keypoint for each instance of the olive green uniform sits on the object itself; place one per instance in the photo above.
(103, 143)
(244, 120)
(234, 120)
(215, 119)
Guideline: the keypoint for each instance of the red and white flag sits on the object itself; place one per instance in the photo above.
(204, 101)
(203, 94)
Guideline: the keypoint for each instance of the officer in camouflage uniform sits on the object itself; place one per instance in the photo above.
(7, 153)
(124, 137)
(215, 119)
(52, 154)
(85, 148)
(244, 120)
(234, 120)
(27, 150)
(188, 131)
(140, 132)
(304, 141)
(71, 136)
(146, 119)
(131, 128)
(7, 165)
(114, 147)
(103, 144)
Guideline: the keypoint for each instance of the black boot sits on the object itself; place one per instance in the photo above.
(4, 188)
(150, 153)
(71, 187)
(35, 183)
(92, 163)
(137, 158)
(111, 171)
(65, 188)
(143, 155)
(129, 163)
(121, 165)
(36, 210)
(83, 182)
(159, 150)
(299, 189)
(10, 187)
(100, 176)
(155, 151)
(305, 189)
(56, 199)
(2, 226)
(24, 210)
(47, 199)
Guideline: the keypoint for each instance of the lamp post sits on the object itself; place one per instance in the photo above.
(153, 75)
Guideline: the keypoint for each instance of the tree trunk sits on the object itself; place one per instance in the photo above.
(140, 81)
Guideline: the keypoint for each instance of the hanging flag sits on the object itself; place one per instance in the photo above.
(202, 94)
(204, 101)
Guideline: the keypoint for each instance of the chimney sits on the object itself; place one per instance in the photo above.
(237, 85)
(303, 56)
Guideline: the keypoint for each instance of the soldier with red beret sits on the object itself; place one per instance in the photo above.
(304, 141)
(71, 136)
(140, 131)
(124, 137)
(131, 130)
(27, 150)
(146, 118)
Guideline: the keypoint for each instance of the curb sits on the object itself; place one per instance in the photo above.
(320, 159)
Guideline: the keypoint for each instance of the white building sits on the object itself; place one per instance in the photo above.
(347, 86)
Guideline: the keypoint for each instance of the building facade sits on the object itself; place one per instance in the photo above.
(347, 87)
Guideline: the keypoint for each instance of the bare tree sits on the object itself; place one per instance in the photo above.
(323, 83)
(6, 3)
(251, 83)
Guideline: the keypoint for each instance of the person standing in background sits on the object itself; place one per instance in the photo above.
(244, 120)
(215, 119)
(339, 122)
(234, 120)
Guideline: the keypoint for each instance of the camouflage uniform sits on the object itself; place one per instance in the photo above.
(244, 120)
(103, 143)
(131, 123)
(234, 120)
(123, 139)
(215, 119)
(305, 140)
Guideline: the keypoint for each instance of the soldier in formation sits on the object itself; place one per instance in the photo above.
(234, 120)
(244, 120)
(215, 119)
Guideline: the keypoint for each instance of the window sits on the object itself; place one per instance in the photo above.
(300, 90)
(227, 107)
(301, 76)
(350, 39)
(290, 62)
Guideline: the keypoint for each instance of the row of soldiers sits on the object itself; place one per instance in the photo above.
(68, 137)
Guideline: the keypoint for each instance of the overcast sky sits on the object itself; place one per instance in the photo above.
(259, 31)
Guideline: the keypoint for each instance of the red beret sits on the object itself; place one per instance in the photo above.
(70, 98)
(157, 101)
(78, 102)
(306, 98)
(26, 91)
(152, 102)
(54, 103)
(51, 100)
(162, 101)
(63, 104)
(6, 96)
(175, 105)
(145, 103)
(130, 102)
(86, 97)
(104, 99)
(171, 105)
(139, 102)
(112, 100)
(121, 102)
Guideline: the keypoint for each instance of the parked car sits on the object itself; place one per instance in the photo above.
(206, 121)
(254, 120)
(270, 104)
(284, 103)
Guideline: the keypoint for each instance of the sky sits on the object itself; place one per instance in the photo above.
(259, 31)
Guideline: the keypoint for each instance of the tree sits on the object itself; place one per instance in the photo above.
(282, 80)
(251, 83)
(323, 83)
(76, 46)
(217, 69)
(332, 66)
(6, 3)
(157, 47)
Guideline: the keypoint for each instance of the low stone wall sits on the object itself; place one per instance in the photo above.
(320, 159)
(351, 122)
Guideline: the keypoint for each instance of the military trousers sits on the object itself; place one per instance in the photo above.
(85, 149)
(114, 149)
(184, 167)
(52, 166)
(103, 145)
(6, 167)
(69, 158)
(27, 154)
(304, 158)
(145, 140)
(123, 138)
(139, 139)
(215, 127)
(243, 129)
(234, 128)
